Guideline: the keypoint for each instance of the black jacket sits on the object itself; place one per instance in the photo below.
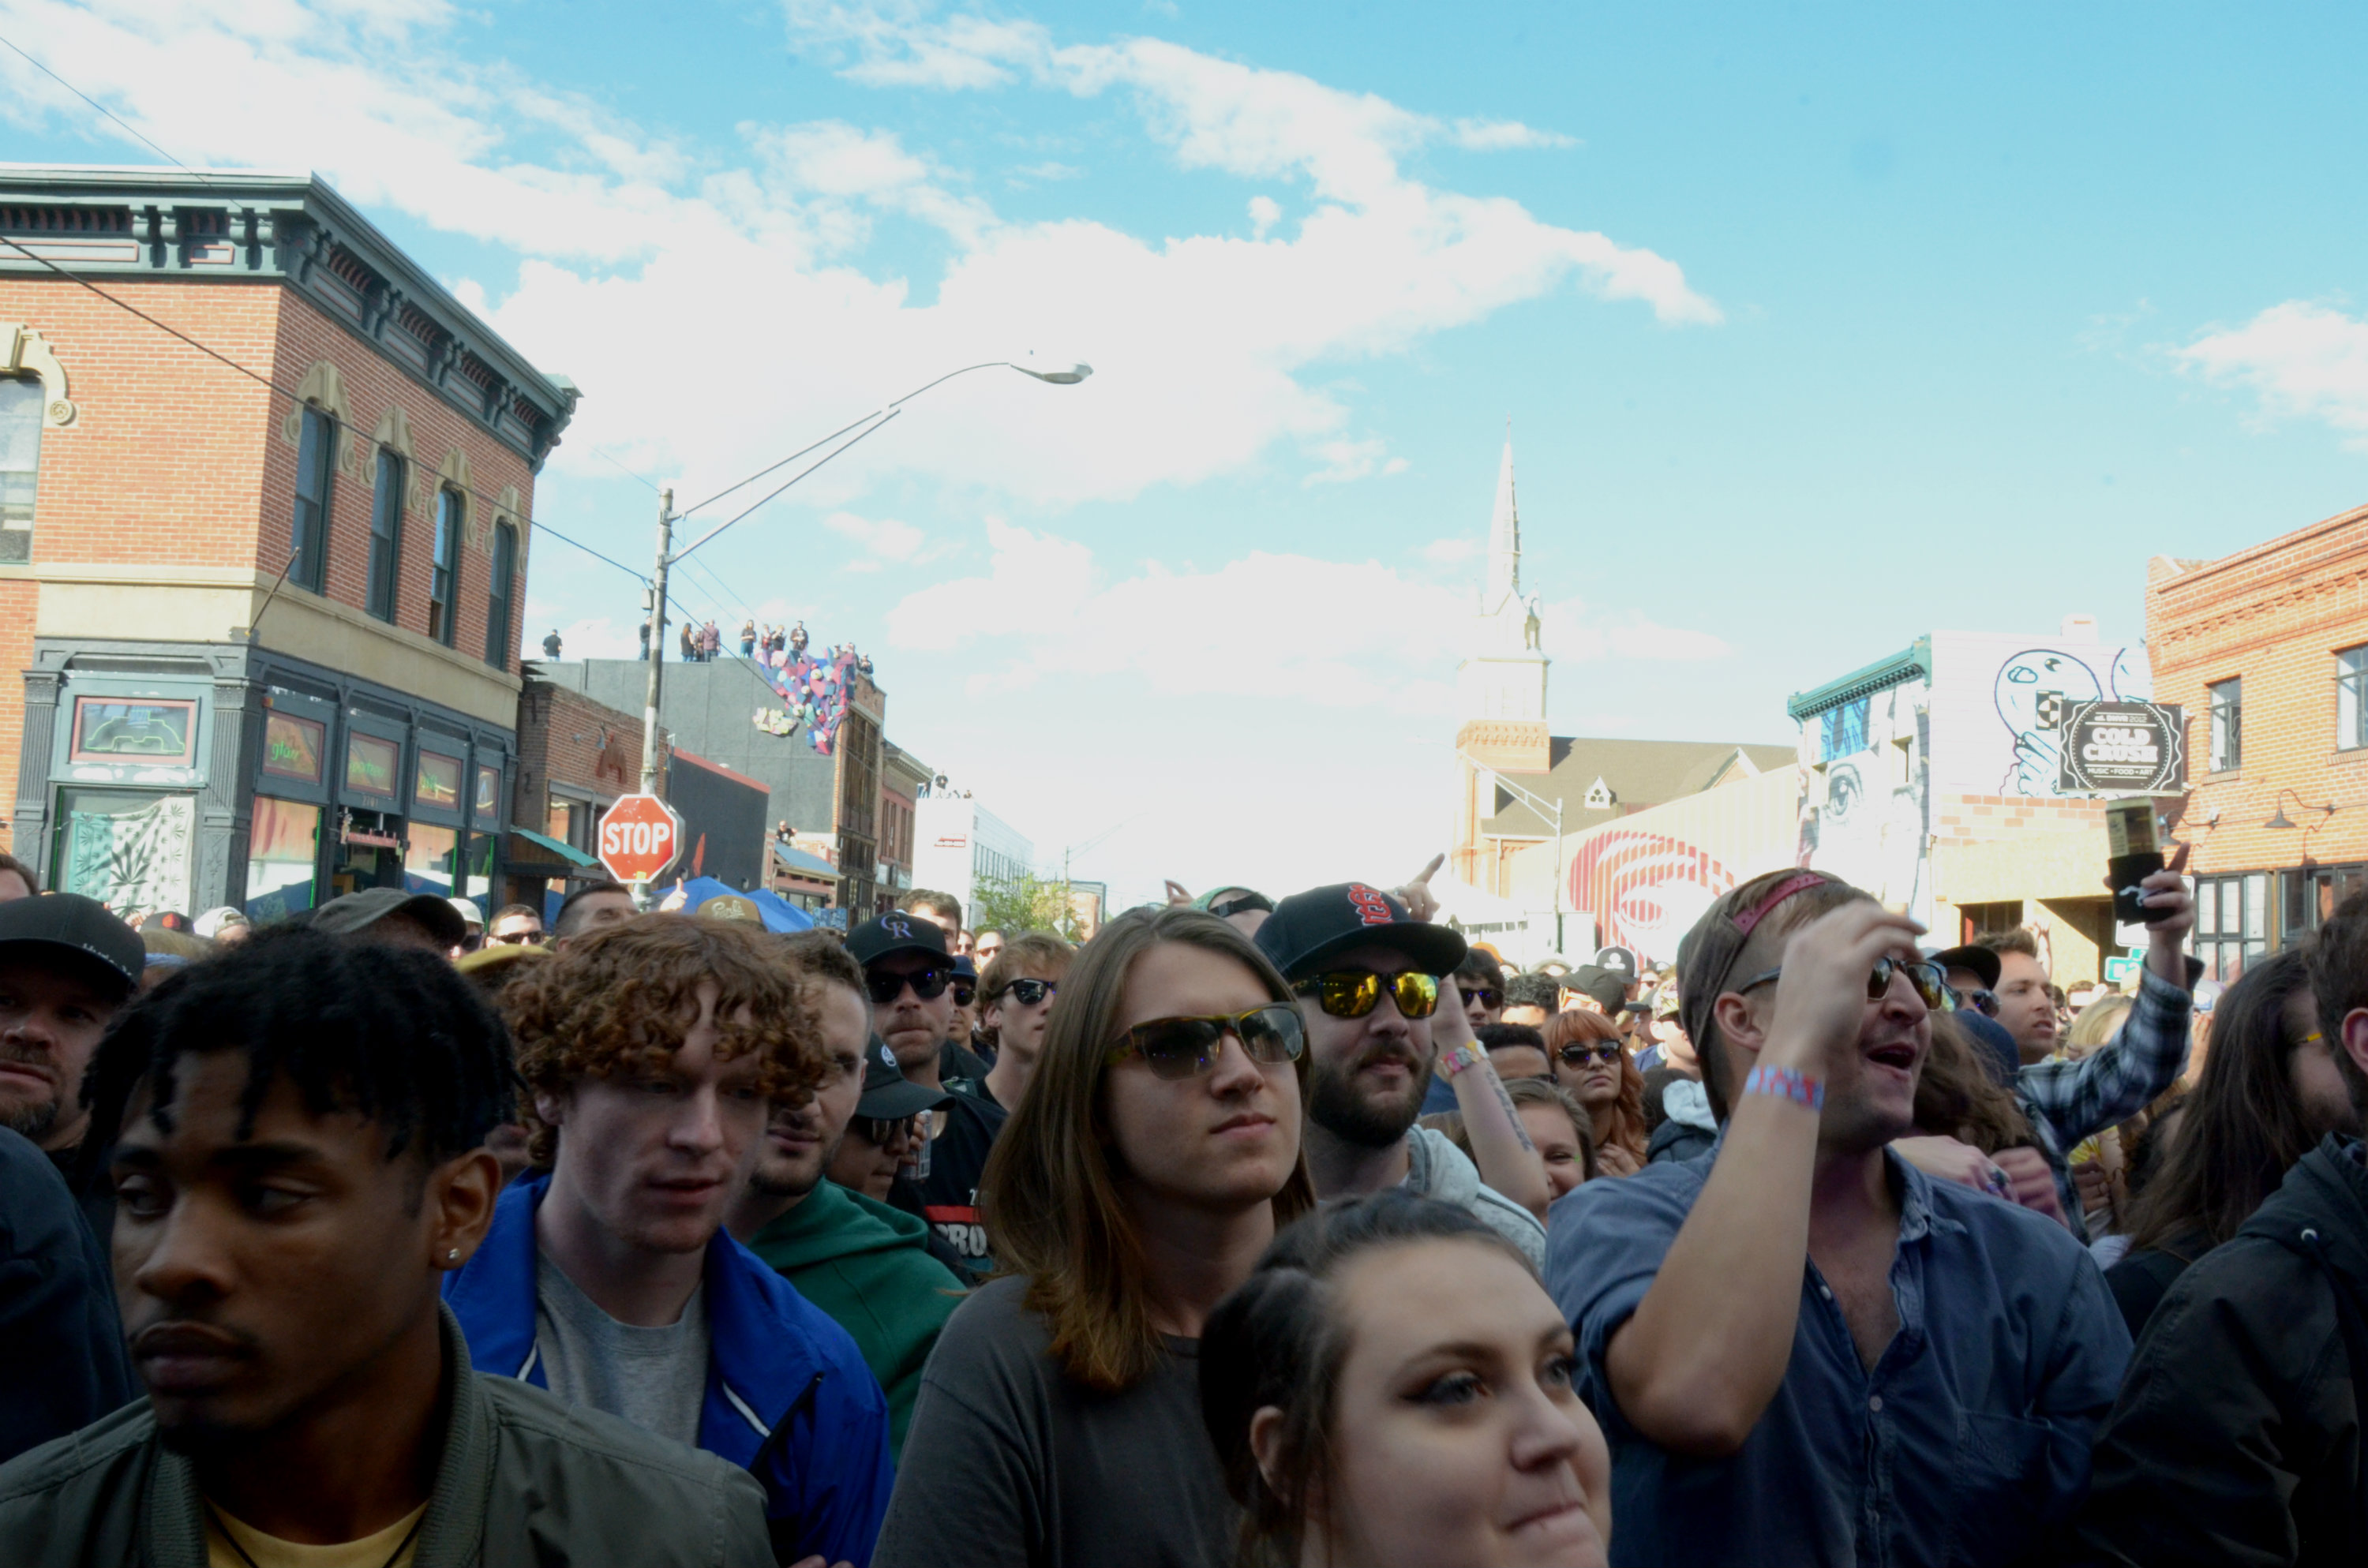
(2236, 1438)
(61, 1359)
(525, 1481)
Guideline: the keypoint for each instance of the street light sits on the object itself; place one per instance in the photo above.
(668, 555)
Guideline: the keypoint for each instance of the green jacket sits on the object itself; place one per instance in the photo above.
(525, 1480)
(869, 1267)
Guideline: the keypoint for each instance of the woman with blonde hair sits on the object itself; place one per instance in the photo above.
(1152, 1161)
(1589, 1060)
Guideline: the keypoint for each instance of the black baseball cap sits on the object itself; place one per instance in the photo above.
(896, 933)
(1619, 960)
(1308, 928)
(1975, 956)
(45, 926)
(352, 912)
(888, 1095)
(1606, 988)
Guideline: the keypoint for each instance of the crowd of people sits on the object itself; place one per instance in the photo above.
(1255, 1230)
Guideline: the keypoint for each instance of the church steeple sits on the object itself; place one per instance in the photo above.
(1504, 538)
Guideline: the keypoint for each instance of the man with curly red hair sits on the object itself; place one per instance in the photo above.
(652, 1053)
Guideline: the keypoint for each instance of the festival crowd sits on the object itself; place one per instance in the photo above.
(1271, 1231)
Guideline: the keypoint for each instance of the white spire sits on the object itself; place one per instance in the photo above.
(1504, 538)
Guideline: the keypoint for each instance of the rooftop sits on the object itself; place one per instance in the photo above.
(1634, 774)
(102, 222)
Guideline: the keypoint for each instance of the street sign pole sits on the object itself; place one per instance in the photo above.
(657, 666)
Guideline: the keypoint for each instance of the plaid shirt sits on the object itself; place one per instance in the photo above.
(2066, 1101)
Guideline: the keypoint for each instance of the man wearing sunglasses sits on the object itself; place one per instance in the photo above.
(1367, 976)
(1019, 985)
(1802, 1349)
(909, 977)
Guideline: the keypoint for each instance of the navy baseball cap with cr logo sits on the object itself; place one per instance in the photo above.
(894, 933)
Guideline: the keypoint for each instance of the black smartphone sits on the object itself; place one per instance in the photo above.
(2133, 852)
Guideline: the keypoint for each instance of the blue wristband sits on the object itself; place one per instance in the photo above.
(1786, 1083)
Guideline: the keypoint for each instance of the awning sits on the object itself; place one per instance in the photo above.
(564, 851)
(798, 861)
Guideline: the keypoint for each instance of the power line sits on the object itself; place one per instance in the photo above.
(102, 108)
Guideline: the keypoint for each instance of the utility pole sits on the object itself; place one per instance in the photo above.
(657, 643)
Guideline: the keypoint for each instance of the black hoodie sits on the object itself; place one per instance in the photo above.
(2236, 1438)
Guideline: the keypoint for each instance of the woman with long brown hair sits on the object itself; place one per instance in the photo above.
(1588, 1059)
(2269, 1093)
(1153, 1159)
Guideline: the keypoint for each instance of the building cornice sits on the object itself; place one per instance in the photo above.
(1912, 663)
(294, 229)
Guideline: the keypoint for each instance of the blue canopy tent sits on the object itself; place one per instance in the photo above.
(776, 912)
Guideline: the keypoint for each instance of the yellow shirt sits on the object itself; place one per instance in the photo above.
(270, 1552)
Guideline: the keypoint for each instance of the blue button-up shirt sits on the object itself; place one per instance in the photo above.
(1968, 1443)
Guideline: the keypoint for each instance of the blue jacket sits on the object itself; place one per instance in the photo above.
(789, 1397)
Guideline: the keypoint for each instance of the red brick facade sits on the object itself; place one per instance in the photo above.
(175, 459)
(2275, 616)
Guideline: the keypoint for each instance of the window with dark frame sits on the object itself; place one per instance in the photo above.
(386, 535)
(22, 402)
(497, 601)
(2227, 708)
(444, 573)
(315, 463)
(2351, 698)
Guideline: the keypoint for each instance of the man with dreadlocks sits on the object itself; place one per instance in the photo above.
(652, 1051)
(297, 1131)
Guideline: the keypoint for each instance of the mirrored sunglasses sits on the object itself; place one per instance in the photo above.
(1353, 992)
(1029, 992)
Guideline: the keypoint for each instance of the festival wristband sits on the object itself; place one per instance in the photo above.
(1786, 1083)
(1462, 1057)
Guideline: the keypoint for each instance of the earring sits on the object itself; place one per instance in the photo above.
(452, 1255)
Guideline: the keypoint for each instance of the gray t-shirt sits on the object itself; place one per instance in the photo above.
(1009, 1463)
(655, 1377)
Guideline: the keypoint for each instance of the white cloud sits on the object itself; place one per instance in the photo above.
(1343, 460)
(1265, 213)
(1450, 552)
(1333, 633)
(1045, 171)
(1208, 345)
(883, 541)
(1506, 135)
(2301, 360)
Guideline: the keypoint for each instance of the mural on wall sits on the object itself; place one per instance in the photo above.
(1869, 827)
(816, 691)
(1646, 890)
(132, 856)
(2030, 690)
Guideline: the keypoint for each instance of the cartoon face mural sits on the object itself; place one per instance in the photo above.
(2023, 680)
(1868, 827)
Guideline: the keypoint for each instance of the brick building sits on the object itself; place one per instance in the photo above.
(2268, 652)
(574, 758)
(267, 610)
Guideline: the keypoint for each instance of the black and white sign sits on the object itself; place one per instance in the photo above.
(2123, 747)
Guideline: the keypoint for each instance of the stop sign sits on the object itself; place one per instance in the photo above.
(640, 838)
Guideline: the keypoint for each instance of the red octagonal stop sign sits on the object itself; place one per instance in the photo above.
(640, 838)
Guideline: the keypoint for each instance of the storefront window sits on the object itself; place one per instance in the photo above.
(283, 850)
(2232, 923)
(561, 825)
(108, 729)
(487, 806)
(130, 852)
(427, 863)
(292, 748)
(479, 883)
(440, 781)
(371, 764)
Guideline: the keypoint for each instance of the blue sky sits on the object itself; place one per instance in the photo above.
(1818, 327)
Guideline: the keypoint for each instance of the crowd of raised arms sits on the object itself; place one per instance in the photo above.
(1277, 1230)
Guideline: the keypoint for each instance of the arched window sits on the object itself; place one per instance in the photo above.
(498, 603)
(386, 534)
(444, 573)
(316, 461)
(22, 402)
